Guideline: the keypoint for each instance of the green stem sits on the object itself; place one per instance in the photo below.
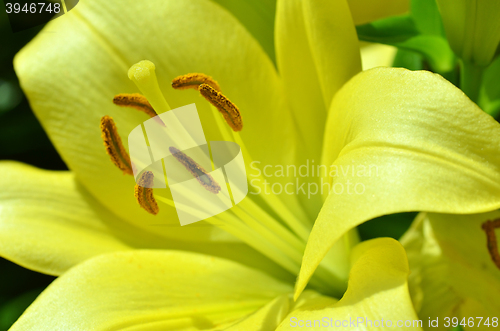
(470, 79)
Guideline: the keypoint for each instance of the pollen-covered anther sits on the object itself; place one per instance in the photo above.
(193, 81)
(144, 193)
(114, 146)
(228, 109)
(136, 101)
(198, 172)
(489, 227)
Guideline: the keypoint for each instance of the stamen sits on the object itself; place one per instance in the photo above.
(228, 109)
(136, 101)
(144, 194)
(193, 81)
(489, 228)
(144, 76)
(205, 179)
(114, 145)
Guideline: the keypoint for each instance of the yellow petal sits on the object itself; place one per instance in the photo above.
(403, 141)
(377, 292)
(49, 223)
(151, 290)
(452, 272)
(275, 312)
(46, 222)
(73, 68)
(317, 52)
(365, 11)
(266, 318)
(377, 55)
(472, 28)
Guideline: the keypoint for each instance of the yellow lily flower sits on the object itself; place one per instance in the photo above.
(72, 70)
(72, 122)
(453, 279)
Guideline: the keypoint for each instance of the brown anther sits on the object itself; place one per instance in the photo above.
(228, 109)
(136, 101)
(194, 81)
(144, 194)
(489, 227)
(114, 146)
(198, 172)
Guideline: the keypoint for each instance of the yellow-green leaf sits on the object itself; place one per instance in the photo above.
(472, 28)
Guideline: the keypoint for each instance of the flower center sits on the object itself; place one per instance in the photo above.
(280, 238)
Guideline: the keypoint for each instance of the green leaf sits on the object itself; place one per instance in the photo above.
(402, 32)
(10, 95)
(388, 30)
(426, 15)
(434, 49)
(13, 309)
(409, 60)
(394, 226)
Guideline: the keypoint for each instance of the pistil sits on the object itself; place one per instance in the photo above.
(144, 76)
